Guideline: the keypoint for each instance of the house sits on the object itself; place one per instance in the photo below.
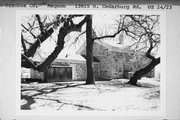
(110, 61)
(115, 60)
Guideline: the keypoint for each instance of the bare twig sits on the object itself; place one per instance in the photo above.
(108, 36)
(40, 23)
(28, 30)
(23, 44)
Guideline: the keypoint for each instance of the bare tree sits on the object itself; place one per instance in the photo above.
(45, 30)
(144, 33)
(148, 40)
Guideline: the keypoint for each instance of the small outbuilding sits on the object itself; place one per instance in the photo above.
(72, 67)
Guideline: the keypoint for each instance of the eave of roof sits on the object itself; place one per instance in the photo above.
(94, 58)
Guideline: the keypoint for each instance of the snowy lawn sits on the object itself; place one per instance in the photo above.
(114, 95)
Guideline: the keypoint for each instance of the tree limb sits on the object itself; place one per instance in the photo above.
(28, 30)
(70, 26)
(108, 36)
(26, 62)
(148, 53)
(138, 40)
(23, 44)
(40, 23)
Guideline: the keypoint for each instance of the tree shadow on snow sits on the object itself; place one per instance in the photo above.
(44, 91)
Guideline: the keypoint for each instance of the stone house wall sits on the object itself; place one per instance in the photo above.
(111, 62)
(79, 71)
(115, 64)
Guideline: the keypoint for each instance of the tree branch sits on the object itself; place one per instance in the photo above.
(76, 39)
(70, 26)
(28, 30)
(148, 53)
(108, 36)
(26, 62)
(28, 42)
(121, 27)
(23, 44)
(40, 23)
(138, 40)
(82, 22)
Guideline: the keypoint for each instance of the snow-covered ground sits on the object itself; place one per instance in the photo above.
(114, 95)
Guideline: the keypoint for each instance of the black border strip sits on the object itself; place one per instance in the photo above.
(72, 2)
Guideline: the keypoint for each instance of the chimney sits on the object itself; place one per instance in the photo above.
(121, 38)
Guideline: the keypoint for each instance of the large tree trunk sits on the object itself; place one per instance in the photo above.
(89, 51)
(141, 72)
(60, 45)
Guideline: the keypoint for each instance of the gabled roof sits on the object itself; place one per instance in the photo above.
(94, 58)
(41, 56)
(69, 57)
(109, 45)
